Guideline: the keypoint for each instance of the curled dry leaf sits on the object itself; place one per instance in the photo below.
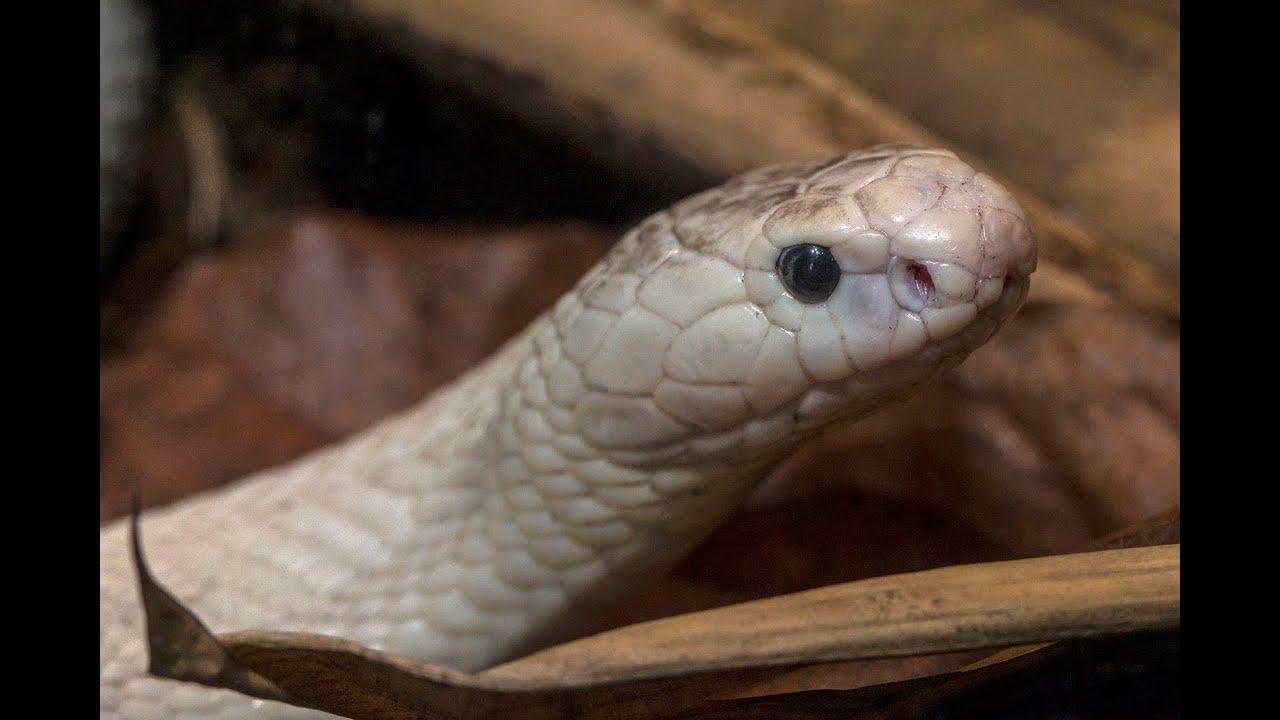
(675, 665)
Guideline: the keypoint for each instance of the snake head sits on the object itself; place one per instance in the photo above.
(789, 297)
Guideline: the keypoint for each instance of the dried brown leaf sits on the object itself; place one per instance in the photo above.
(680, 664)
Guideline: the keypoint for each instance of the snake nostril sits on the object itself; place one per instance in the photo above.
(922, 281)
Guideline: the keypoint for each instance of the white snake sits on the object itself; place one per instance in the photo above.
(604, 441)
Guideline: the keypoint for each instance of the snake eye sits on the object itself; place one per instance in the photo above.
(809, 272)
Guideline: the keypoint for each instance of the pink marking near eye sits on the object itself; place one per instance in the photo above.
(919, 275)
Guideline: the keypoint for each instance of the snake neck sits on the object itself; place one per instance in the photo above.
(560, 528)
(583, 489)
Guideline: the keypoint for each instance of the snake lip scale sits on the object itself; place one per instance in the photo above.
(508, 510)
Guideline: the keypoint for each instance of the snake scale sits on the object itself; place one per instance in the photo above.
(599, 445)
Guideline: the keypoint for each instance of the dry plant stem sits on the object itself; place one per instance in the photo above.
(684, 661)
(1162, 529)
(955, 608)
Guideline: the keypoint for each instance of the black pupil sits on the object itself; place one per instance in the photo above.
(809, 272)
